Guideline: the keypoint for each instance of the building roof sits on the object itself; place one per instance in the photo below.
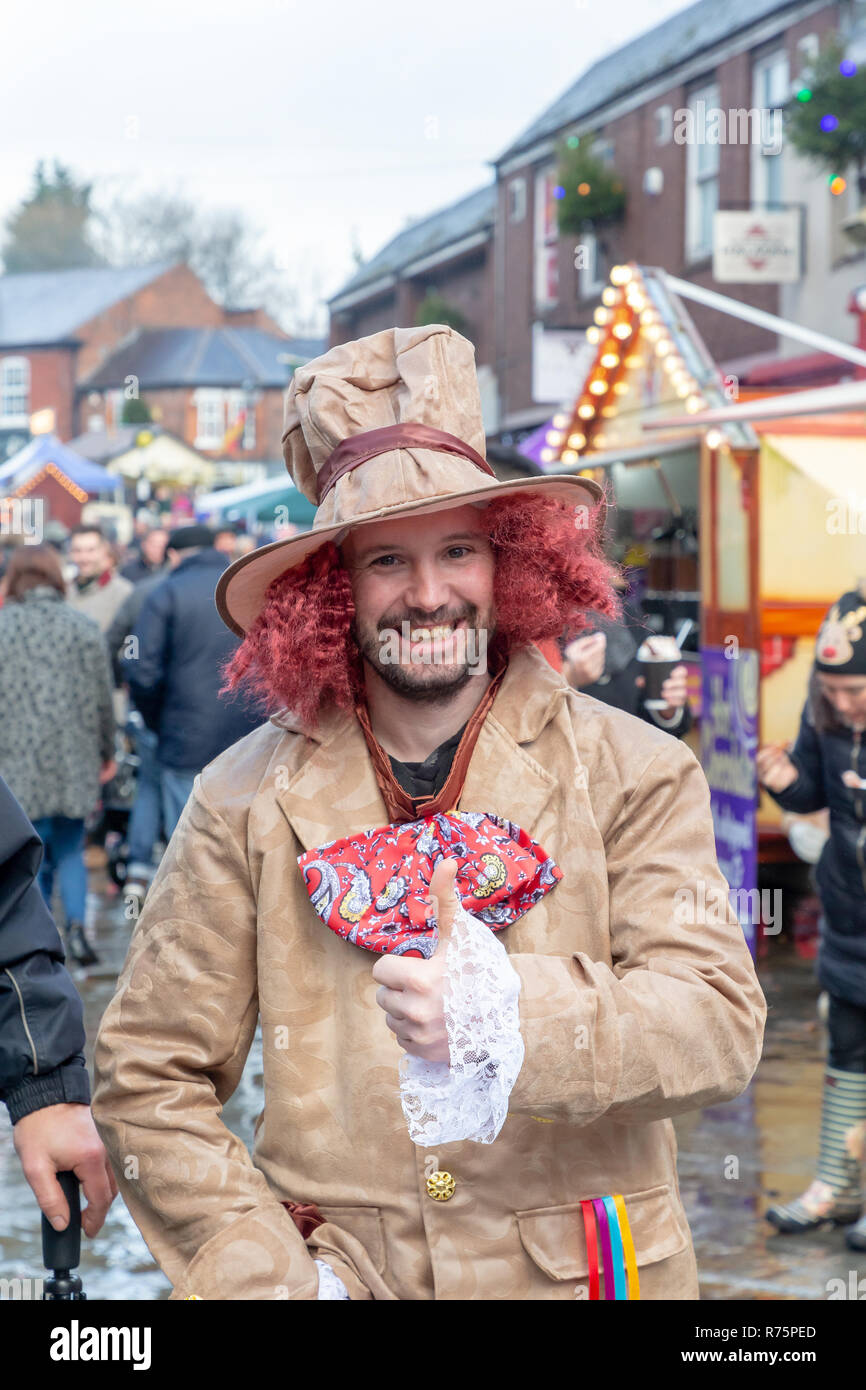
(164, 357)
(47, 449)
(40, 307)
(666, 45)
(451, 224)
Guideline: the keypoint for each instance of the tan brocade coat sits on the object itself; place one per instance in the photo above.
(628, 1017)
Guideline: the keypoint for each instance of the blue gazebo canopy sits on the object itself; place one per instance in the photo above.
(47, 448)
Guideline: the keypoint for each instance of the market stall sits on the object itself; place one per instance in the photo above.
(725, 513)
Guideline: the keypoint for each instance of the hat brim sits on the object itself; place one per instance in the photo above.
(241, 590)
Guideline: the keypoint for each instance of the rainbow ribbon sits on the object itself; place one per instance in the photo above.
(618, 1260)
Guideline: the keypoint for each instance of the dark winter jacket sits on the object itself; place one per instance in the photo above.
(826, 748)
(173, 680)
(124, 621)
(41, 1021)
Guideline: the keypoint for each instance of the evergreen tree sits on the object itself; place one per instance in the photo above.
(49, 229)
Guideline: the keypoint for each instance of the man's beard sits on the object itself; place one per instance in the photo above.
(426, 679)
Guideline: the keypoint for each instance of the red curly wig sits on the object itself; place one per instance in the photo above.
(300, 652)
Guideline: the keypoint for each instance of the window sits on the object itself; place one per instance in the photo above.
(592, 267)
(210, 422)
(14, 392)
(517, 200)
(546, 240)
(853, 17)
(808, 48)
(664, 124)
(702, 171)
(236, 402)
(770, 89)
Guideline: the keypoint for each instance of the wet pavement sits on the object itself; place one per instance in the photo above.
(734, 1159)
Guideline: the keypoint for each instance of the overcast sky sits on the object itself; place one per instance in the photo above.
(324, 120)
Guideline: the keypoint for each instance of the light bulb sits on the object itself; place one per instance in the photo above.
(598, 387)
(576, 441)
(663, 347)
(560, 421)
(610, 296)
(653, 332)
(693, 404)
(569, 456)
(621, 331)
(609, 360)
(586, 410)
(593, 334)
(602, 315)
(621, 388)
(547, 456)
(554, 437)
(620, 275)
(714, 438)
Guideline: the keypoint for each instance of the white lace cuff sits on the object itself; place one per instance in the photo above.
(468, 1099)
(331, 1285)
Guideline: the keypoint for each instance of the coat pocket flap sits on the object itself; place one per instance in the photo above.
(554, 1236)
(365, 1224)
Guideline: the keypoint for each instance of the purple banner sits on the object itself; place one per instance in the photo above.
(729, 745)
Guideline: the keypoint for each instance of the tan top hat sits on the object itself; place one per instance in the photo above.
(386, 426)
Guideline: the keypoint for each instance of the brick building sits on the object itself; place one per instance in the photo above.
(65, 337)
(445, 260)
(203, 385)
(650, 107)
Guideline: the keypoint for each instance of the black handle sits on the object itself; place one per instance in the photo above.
(61, 1250)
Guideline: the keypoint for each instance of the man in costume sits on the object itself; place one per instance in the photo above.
(482, 1108)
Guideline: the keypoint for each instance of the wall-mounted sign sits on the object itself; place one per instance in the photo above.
(561, 358)
(758, 248)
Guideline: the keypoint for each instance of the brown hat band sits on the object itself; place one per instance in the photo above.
(355, 450)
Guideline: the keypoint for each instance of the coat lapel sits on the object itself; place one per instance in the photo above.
(335, 793)
(503, 778)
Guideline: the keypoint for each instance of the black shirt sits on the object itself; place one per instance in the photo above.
(427, 778)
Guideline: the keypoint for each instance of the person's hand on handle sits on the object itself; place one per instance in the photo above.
(61, 1138)
(583, 662)
(412, 991)
(775, 770)
(107, 771)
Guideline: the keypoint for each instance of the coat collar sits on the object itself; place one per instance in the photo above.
(335, 793)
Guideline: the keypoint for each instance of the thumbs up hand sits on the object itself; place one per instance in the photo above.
(411, 991)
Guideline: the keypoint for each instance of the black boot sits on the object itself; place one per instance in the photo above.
(78, 946)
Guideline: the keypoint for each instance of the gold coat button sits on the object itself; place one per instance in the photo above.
(440, 1186)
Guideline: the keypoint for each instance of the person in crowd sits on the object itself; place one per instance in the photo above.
(554, 1015)
(145, 819)
(43, 1077)
(827, 768)
(225, 539)
(604, 664)
(149, 557)
(245, 545)
(57, 730)
(174, 672)
(96, 589)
